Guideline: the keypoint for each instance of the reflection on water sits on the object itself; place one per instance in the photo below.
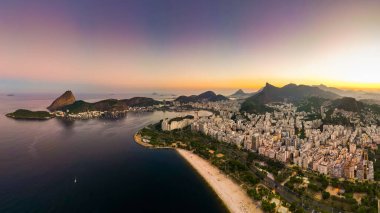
(66, 123)
(39, 162)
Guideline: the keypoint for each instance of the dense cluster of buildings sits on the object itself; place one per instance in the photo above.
(177, 123)
(291, 137)
(91, 115)
(182, 122)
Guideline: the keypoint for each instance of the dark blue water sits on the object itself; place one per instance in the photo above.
(39, 161)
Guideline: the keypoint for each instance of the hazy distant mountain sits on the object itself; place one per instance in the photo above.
(241, 94)
(206, 96)
(350, 93)
(370, 101)
(289, 93)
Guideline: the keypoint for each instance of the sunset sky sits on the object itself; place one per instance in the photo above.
(164, 45)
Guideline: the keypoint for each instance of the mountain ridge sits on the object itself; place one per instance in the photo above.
(288, 93)
(206, 96)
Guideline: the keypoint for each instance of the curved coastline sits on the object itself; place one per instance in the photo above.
(137, 138)
(233, 196)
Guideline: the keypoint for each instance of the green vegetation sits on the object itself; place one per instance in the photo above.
(348, 104)
(253, 107)
(372, 155)
(336, 120)
(374, 108)
(78, 106)
(30, 115)
(268, 207)
(310, 104)
(345, 199)
(311, 117)
(325, 195)
(239, 164)
(294, 183)
(227, 157)
(109, 105)
(270, 165)
(300, 132)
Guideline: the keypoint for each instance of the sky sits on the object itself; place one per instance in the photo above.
(172, 45)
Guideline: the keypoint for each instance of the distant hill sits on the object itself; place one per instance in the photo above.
(370, 101)
(204, 97)
(30, 115)
(351, 93)
(67, 102)
(311, 104)
(289, 93)
(140, 102)
(110, 104)
(65, 99)
(348, 104)
(240, 94)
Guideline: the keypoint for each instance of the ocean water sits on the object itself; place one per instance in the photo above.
(39, 161)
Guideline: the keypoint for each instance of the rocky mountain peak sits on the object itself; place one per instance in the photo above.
(65, 99)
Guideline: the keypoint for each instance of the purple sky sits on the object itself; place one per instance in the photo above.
(120, 45)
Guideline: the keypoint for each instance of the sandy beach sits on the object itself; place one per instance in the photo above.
(138, 139)
(233, 196)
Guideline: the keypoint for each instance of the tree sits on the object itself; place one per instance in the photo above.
(253, 193)
(362, 209)
(325, 195)
(268, 207)
(299, 210)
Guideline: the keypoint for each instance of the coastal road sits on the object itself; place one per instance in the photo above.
(292, 197)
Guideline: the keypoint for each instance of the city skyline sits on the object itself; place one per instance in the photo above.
(92, 46)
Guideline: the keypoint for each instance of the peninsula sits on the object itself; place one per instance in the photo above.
(67, 106)
(30, 115)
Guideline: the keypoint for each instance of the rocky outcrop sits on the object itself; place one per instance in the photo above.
(65, 99)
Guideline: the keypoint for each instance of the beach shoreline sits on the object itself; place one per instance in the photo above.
(137, 138)
(232, 195)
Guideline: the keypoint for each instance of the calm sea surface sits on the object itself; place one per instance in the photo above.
(39, 161)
